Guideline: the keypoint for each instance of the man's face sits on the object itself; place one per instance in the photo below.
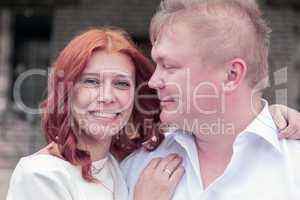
(188, 89)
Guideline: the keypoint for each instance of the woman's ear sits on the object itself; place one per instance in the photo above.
(235, 74)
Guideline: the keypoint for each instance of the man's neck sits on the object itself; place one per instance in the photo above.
(229, 124)
(215, 150)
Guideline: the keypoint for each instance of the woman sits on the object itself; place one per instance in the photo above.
(90, 112)
(94, 108)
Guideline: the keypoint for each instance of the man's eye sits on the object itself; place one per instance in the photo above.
(168, 67)
(122, 84)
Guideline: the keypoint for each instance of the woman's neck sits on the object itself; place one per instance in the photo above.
(98, 149)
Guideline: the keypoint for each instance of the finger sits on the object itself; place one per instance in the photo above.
(171, 167)
(154, 163)
(177, 175)
(290, 130)
(173, 164)
(149, 170)
(292, 117)
(165, 161)
(295, 136)
(279, 118)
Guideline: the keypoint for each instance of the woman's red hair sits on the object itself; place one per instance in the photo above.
(67, 69)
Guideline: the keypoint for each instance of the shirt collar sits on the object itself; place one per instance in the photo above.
(187, 141)
(179, 136)
(264, 127)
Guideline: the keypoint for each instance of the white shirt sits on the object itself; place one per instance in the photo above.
(262, 167)
(43, 176)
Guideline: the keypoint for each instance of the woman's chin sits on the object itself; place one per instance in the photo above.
(103, 132)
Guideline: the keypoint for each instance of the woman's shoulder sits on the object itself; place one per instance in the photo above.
(36, 172)
(46, 160)
(45, 165)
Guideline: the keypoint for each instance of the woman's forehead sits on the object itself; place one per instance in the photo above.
(102, 62)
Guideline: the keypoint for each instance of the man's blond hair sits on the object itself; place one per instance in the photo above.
(227, 29)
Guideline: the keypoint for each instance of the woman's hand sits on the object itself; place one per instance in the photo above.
(159, 179)
(287, 121)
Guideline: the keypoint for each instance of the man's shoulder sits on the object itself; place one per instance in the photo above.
(291, 151)
(291, 148)
(131, 159)
(133, 164)
(140, 157)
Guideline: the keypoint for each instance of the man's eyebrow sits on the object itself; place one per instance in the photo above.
(163, 57)
(166, 60)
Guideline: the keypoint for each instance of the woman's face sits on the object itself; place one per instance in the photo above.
(103, 98)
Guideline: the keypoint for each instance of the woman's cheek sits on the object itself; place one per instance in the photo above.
(83, 98)
(126, 100)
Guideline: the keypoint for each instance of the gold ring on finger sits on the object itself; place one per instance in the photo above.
(168, 172)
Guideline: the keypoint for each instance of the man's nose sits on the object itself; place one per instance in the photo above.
(156, 81)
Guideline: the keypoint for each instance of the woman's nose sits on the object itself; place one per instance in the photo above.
(106, 94)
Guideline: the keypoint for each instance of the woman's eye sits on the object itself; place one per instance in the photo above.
(122, 84)
(90, 82)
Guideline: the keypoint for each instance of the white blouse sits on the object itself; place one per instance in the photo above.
(43, 176)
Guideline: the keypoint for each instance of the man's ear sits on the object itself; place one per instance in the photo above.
(235, 74)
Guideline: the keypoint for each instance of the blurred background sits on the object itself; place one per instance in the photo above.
(32, 32)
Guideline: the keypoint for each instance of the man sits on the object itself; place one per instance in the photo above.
(212, 61)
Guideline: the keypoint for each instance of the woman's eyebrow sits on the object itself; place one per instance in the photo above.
(90, 74)
(118, 75)
(123, 76)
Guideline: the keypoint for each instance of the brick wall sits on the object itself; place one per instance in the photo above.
(285, 53)
(5, 53)
(134, 16)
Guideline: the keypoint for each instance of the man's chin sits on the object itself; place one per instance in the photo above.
(164, 117)
(170, 119)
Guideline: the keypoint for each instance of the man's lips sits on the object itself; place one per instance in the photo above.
(165, 102)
